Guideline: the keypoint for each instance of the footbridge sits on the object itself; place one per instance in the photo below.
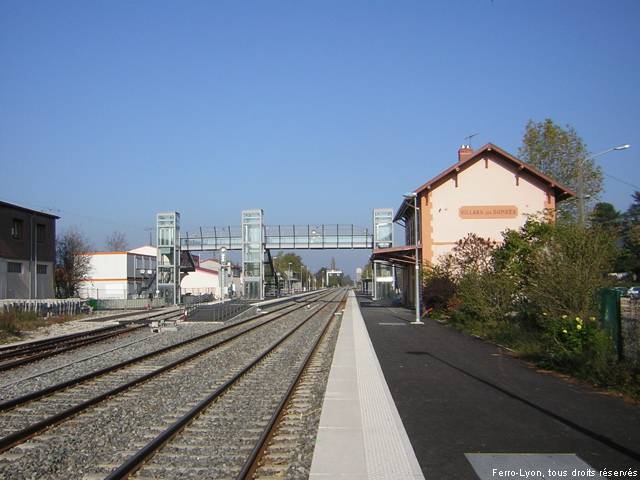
(281, 237)
(256, 240)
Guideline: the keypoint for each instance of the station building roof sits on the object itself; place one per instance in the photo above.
(27, 210)
(561, 192)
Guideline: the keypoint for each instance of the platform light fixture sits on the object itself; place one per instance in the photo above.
(414, 196)
(223, 259)
(581, 167)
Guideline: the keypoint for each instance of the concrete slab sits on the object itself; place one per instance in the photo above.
(360, 434)
(489, 466)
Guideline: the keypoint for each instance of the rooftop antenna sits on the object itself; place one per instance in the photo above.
(149, 229)
(467, 139)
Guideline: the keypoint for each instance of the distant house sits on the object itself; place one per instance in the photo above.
(204, 280)
(27, 252)
(120, 275)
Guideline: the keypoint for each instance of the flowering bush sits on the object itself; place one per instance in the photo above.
(573, 343)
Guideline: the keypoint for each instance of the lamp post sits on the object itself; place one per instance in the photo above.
(289, 278)
(223, 259)
(414, 196)
(581, 166)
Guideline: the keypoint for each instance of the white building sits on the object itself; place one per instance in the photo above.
(120, 275)
(205, 280)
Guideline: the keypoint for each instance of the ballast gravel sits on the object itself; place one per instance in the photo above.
(99, 439)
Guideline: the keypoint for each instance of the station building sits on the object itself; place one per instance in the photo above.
(486, 192)
(27, 252)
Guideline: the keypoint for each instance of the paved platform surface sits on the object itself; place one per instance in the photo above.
(360, 433)
(462, 399)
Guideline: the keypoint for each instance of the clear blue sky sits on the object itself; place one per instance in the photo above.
(314, 111)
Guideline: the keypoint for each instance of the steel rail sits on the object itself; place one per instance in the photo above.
(9, 404)
(250, 463)
(71, 345)
(15, 350)
(21, 435)
(134, 462)
(49, 344)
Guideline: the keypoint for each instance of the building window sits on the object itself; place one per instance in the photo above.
(40, 232)
(42, 269)
(16, 228)
(14, 267)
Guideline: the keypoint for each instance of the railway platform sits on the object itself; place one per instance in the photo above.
(360, 435)
(463, 405)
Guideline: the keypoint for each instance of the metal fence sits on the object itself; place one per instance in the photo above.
(127, 304)
(218, 312)
(45, 307)
(630, 329)
(189, 300)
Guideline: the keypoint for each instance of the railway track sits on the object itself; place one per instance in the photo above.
(235, 419)
(30, 415)
(14, 356)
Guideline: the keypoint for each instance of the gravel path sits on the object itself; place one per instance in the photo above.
(109, 432)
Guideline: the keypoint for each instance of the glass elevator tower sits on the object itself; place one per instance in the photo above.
(253, 253)
(168, 256)
(383, 272)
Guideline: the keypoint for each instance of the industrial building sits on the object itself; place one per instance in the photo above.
(120, 275)
(27, 252)
(486, 192)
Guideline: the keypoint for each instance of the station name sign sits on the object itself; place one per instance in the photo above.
(488, 211)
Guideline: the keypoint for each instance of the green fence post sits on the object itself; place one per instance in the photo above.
(610, 317)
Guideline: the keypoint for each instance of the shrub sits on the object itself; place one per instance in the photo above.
(438, 289)
(11, 321)
(577, 345)
(485, 297)
(567, 274)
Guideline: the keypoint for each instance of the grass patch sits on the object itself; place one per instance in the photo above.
(13, 323)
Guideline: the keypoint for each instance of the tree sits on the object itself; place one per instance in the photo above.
(632, 215)
(570, 270)
(299, 271)
(367, 270)
(631, 237)
(71, 266)
(606, 215)
(116, 242)
(321, 276)
(559, 152)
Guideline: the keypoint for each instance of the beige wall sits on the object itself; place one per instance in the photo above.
(490, 181)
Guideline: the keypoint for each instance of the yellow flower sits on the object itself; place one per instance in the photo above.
(579, 326)
(564, 330)
(593, 319)
(564, 316)
(578, 319)
(544, 313)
